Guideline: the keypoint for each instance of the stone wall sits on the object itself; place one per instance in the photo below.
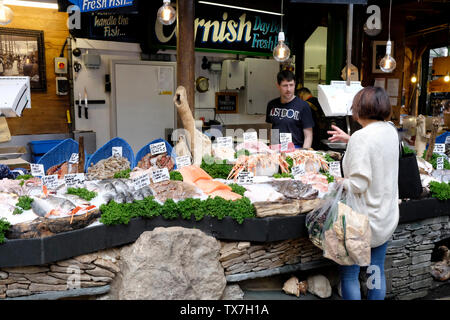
(408, 257)
(244, 257)
(86, 271)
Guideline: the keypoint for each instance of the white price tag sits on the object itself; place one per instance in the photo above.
(75, 179)
(284, 146)
(285, 137)
(250, 136)
(141, 182)
(439, 148)
(245, 177)
(183, 161)
(440, 163)
(160, 175)
(298, 170)
(226, 142)
(335, 168)
(447, 140)
(158, 148)
(74, 158)
(51, 182)
(117, 151)
(37, 170)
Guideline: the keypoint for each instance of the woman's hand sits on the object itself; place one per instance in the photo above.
(338, 135)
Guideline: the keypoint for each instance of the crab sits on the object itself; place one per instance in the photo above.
(249, 163)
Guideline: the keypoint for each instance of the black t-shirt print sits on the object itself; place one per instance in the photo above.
(290, 117)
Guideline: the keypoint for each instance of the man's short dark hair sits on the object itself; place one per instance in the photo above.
(285, 75)
(304, 90)
(371, 103)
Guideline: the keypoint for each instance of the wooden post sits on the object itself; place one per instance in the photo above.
(185, 50)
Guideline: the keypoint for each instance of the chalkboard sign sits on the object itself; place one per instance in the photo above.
(227, 102)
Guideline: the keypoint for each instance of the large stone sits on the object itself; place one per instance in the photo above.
(15, 286)
(92, 284)
(27, 270)
(170, 264)
(72, 263)
(69, 270)
(2, 288)
(420, 259)
(319, 286)
(3, 275)
(38, 287)
(106, 264)
(66, 276)
(231, 254)
(17, 293)
(100, 272)
(233, 292)
(44, 278)
(87, 258)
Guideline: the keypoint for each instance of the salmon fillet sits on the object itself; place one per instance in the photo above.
(208, 186)
(226, 194)
(191, 174)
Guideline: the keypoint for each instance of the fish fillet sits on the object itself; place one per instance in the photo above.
(208, 186)
(226, 194)
(191, 174)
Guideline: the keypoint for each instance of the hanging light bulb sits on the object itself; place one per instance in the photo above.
(414, 78)
(166, 14)
(447, 77)
(6, 14)
(388, 64)
(281, 52)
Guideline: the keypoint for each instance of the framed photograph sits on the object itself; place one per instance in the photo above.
(378, 52)
(22, 54)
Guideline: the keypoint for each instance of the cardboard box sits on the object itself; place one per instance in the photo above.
(11, 156)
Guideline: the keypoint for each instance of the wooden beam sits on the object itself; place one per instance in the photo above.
(185, 50)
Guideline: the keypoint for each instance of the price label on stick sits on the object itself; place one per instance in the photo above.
(245, 177)
(183, 161)
(117, 151)
(250, 137)
(298, 170)
(285, 137)
(160, 175)
(141, 182)
(51, 182)
(335, 168)
(37, 170)
(284, 146)
(225, 142)
(158, 148)
(74, 158)
(439, 148)
(75, 179)
(440, 163)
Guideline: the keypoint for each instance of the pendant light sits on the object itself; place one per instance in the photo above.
(281, 52)
(414, 78)
(388, 64)
(447, 77)
(6, 14)
(166, 14)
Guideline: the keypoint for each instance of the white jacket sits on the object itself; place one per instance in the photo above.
(370, 167)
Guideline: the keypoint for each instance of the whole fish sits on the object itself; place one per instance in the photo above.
(294, 189)
(42, 207)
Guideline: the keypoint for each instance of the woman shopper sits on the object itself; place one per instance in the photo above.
(370, 167)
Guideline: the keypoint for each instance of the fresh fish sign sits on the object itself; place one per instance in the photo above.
(97, 5)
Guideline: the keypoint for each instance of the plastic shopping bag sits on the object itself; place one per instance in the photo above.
(342, 229)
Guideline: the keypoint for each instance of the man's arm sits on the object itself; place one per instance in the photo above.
(308, 138)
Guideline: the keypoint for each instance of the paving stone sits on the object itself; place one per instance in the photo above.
(66, 276)
(424, 247)
(106, 264)
(3, 275)
(421, 258)
(420, 253)
(38, 287)
(400, 284)
(75, 263)
(398, 243)
(436, 226)
(44, 278)
(420, 265)
(17, 293)
(14, 286)
(421, 231)
(414, 295)
(433, 234)
(27, 270)
(401, 263)
(99, 272)
(426, 283)
(415, 226)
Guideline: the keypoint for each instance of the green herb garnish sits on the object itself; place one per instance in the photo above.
(237, 188)
(407, 150)
(330, 178)
(83, 193)
(440, 190)
(290, 161)
(115, 213)
(24, 177)
(283, 175)
(4, 227)
(24, 203)
(17, 211)
(124, 174)
(217, 169)
(434, 158)
(175, 175)
(241, 152)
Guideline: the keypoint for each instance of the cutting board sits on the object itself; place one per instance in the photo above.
(5, 135)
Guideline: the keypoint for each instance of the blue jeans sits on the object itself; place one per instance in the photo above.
(376, 282)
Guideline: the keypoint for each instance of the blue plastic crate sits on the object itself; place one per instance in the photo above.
(106, 151)
(35, 158)
(146, 149)
(59, 154)
(441, 138)
(43, 146)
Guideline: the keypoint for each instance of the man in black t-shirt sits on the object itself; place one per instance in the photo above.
(320, 123)
(289, 114)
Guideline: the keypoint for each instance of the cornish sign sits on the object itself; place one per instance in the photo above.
(97, 5)
(224, 30)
